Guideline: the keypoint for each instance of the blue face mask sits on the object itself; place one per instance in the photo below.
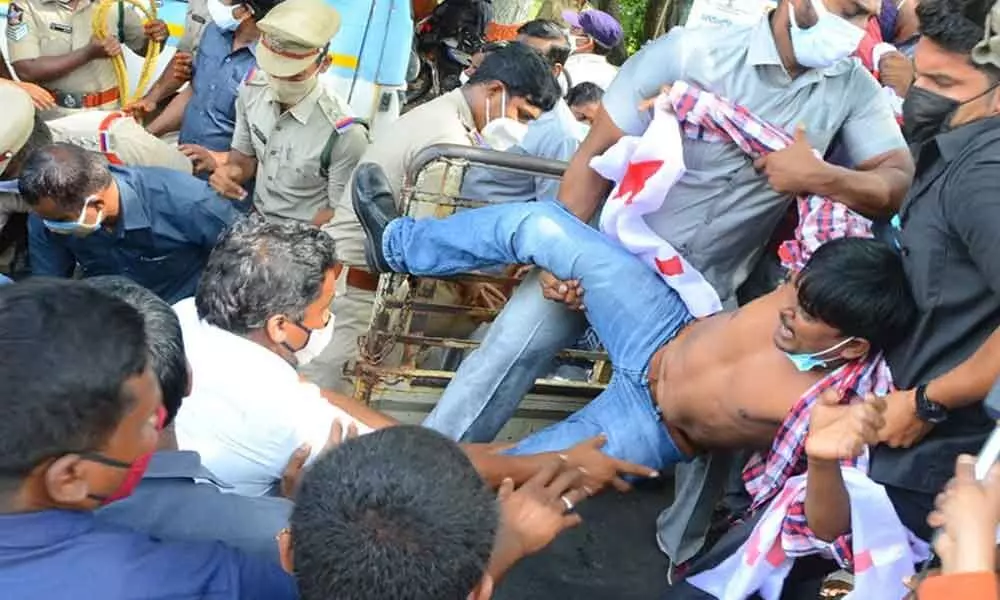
(80, 227)
(807, 362)
(9, 186)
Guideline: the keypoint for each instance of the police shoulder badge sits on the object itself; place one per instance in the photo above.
(16, 27)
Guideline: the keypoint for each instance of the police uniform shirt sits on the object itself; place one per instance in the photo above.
(444, 120)
(40, 28)
(289, 145)
(195, 21)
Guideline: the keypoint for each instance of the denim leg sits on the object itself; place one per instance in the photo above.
(624, 412)
(492, 380)
(632, 309)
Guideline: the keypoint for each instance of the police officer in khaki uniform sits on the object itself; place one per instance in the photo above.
(15, 130)
(51, 43)
(496, 92)
(292, 133)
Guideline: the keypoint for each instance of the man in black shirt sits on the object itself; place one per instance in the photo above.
(951, 253)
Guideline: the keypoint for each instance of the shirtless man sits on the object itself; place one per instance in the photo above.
(679, 387)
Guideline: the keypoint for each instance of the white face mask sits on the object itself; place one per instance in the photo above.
(222, 15)
(319, 339)
(503, 132)
(463, 78)
(830, 40)
(291, 93)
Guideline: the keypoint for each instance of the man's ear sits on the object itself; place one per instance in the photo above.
(285, 551)
(327, 61)
(484, 589)
(275, 328)
(64, 481)
(190, 378)
(855, 349)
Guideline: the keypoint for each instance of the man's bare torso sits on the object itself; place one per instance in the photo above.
(723, 383)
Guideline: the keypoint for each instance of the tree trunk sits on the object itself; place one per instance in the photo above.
(655, 22)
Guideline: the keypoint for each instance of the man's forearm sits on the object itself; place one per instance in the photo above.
(46, 68)
(828, 505)
(582, 189)
(166, 85)
(172, 116)
(875, 189)
(366, 415)
(969, 382)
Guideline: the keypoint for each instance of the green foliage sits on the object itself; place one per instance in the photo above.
(633, 16)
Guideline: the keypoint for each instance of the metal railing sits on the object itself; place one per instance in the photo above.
(407, 318)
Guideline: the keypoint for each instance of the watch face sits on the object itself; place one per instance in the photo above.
(930, 411)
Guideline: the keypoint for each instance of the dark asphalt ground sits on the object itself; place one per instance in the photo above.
(611, 556)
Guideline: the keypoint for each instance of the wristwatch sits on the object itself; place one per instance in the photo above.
(928, 410)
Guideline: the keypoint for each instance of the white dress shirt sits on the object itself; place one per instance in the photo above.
(248, 410)
(591, 67)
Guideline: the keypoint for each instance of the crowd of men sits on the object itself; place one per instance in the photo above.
(198, 267)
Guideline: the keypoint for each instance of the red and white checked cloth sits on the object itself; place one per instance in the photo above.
(645, 168)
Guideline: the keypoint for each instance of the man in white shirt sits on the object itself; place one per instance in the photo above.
(595, 34)
(262, 307)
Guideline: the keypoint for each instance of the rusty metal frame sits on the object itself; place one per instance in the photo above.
(403, 301)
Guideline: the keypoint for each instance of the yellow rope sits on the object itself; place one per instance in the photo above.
(100, 28)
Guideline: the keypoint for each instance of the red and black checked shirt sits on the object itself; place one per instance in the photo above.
(705, 116)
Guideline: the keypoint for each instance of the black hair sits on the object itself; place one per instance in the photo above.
(600, 49)
(40, 136)
(584, 93)
(550, 31)
(163, 334)
(858, 286)
(260, 8)
(260, 269)
(523, 71)
(64, 173)
(398, 513)
(957, 26)
(67, 351)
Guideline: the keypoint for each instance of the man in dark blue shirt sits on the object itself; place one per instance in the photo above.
(205, 111)
(154, 226)
(82, 410)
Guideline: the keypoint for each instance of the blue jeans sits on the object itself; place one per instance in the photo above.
(518, 349)
(633, 311)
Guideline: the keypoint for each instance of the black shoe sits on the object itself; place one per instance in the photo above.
(375, 207)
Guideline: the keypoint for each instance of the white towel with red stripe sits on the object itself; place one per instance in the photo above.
(645, 168)
(884, 549)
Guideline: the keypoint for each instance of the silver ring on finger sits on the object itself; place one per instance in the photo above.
(567, 503)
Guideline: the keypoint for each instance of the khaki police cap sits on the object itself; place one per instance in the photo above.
(293, 34)
(18, 121)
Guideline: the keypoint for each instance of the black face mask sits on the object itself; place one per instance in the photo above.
(926, 114)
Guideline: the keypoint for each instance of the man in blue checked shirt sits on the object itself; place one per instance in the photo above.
(205, 111)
